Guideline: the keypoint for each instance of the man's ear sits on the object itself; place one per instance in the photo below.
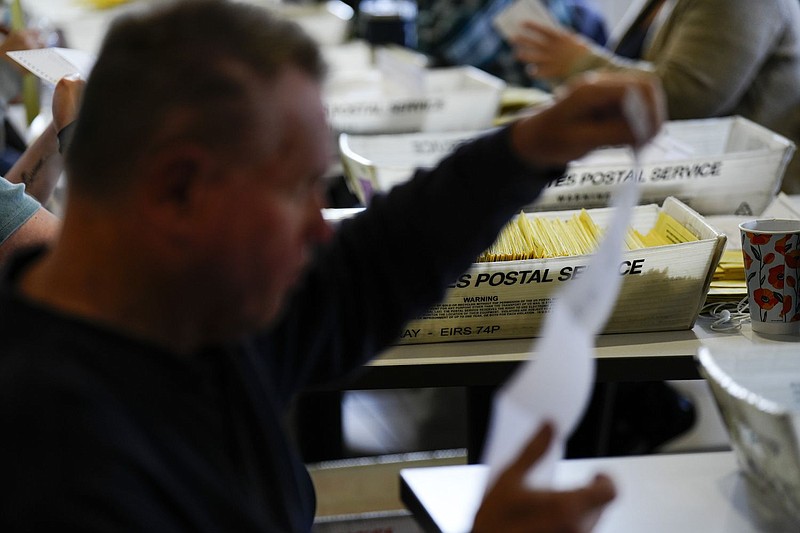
(177, 181)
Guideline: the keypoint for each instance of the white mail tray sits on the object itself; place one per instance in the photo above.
(715, 166)
(663, 287)
(453, 98)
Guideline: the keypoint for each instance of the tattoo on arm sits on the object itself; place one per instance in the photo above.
(29, 176)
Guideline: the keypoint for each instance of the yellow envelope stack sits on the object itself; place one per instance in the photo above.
(535, 237)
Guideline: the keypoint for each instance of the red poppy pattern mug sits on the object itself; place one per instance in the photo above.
(771, 252)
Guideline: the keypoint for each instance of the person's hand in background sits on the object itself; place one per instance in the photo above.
(66, 101)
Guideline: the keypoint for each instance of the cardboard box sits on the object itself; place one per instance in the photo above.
(758, 395)
(716, 166)
(664, 286)
(369, 101)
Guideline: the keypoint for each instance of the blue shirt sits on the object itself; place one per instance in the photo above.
(16, 208)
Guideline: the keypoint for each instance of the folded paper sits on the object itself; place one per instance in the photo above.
(555, 384)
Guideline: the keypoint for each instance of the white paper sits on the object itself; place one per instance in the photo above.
(509, 21)
(556, 384)
(52, 64)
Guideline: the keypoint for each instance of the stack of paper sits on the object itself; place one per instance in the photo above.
(728, 282)
(538, 237)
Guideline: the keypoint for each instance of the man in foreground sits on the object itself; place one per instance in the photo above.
(147, 359)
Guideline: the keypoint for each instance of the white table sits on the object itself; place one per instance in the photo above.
(481, 366)
(665, 355)
(682, 493)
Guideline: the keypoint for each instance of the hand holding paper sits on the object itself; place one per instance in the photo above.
(66, 101)
(506, 508)
(555, 386)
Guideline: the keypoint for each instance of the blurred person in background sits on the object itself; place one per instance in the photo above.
(12, 141)
(19, 30)
(714, 57)
(454, 32)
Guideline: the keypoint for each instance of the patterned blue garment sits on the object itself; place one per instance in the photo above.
(460, 32)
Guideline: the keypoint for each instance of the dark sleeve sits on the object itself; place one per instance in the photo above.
(389, 264)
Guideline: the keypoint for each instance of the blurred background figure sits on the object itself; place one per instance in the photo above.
(19, 32)
(714, 57)
(455, 32)
(12, 141)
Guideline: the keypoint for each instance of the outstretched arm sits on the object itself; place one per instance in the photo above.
(40, 166)
(439, 222)
(592, 111)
